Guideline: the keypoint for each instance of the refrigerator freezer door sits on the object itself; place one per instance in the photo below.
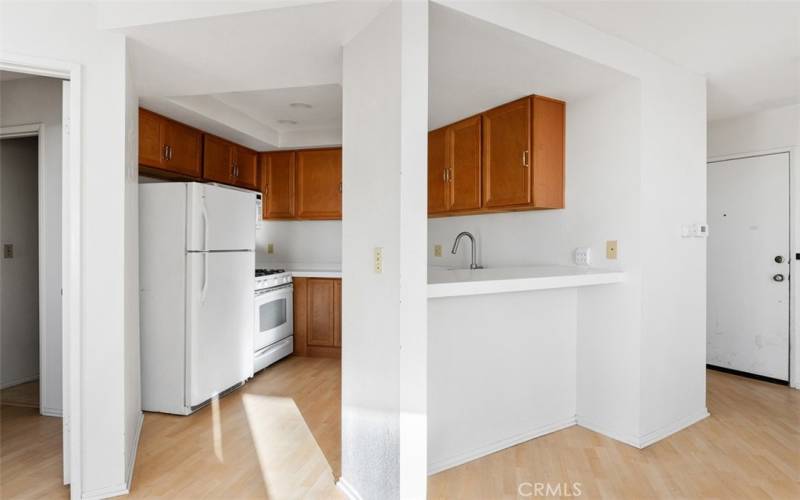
(220, 334)
(220, 218)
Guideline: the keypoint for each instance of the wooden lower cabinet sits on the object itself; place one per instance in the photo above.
(317, 317)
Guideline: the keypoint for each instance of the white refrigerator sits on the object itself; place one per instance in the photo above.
(196, 269)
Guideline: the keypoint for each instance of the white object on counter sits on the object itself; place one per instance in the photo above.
(444, 282)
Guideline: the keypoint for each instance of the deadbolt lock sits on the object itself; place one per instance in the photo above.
(779, 259)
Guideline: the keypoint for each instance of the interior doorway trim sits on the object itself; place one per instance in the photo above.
(37, 130)
(72, 271)
(794, 245)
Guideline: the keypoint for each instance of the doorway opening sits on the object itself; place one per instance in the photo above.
(32, 386)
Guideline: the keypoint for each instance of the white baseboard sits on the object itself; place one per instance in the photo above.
(50, 412)
(348, 489)
(18, 381)
(489, 448)
(108, 492)
(124, 488)
(646, 440)
(132, 457)
(629, 439)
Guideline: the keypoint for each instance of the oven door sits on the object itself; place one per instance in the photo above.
(273, 319)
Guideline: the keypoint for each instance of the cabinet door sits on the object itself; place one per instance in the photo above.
(549, 120)
(277, 171)
(217, 159)
(300, 307)
(337, 313)
(437, 171)
(246, 168)
(185, 149)
(464, 162)
(506, 155)
(319, 184)
(151, 139)
(320, 326)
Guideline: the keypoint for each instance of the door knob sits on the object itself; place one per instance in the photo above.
(778, 278)
(779, 259)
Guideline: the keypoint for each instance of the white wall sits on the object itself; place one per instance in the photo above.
(66, 32)
(300, 244)
(19, 301)
(384, 375)
(501, 370)
(671, 332)
(772, 129)
(133, 386)
(38, 100)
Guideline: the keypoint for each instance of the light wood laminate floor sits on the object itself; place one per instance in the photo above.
(271, 438)
(26, 394)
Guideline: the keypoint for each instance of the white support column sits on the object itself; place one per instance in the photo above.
(384, 355)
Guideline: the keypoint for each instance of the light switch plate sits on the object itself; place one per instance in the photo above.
(8, 251)
(437, 250)
(611, 249)
(270, 248)
(583, 256)
(378, 260)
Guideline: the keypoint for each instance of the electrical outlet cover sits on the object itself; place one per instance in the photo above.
(583, 256)
(611, 249)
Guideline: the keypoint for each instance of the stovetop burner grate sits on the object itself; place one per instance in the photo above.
(268, 272)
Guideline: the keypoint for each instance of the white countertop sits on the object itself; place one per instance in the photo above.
(443, 282)
(306, 270)
(316, 273)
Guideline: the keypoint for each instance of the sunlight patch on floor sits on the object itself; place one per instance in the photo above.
(289, 456)
(216, 428)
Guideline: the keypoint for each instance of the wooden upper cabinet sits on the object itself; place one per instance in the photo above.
(464, 164)
(321, 312)
(218, 156)
(151, 139)
(245, 171)
(437, 171)
(184, 149)
(506, 155)
(549, 122)
(277, 188)
(319, 184)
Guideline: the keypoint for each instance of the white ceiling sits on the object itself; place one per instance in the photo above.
(749, 51)
(235, 75)
(475, 65)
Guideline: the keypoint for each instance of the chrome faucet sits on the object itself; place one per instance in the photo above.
(474, 264)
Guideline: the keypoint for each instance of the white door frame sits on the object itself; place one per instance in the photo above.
(37, 130)
(794, 245)
(71, 272)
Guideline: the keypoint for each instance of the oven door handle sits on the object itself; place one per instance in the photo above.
(261, 293)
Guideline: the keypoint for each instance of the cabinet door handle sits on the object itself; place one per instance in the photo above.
(525, 158)
(340, 187)
(450, 174)
(446, 174)
(266, 190)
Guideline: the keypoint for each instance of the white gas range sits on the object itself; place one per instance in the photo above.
(274, 325)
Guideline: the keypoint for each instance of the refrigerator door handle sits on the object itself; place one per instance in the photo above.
(204, 288)
(204, 214)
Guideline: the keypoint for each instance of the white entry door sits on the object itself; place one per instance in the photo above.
(748, 265)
